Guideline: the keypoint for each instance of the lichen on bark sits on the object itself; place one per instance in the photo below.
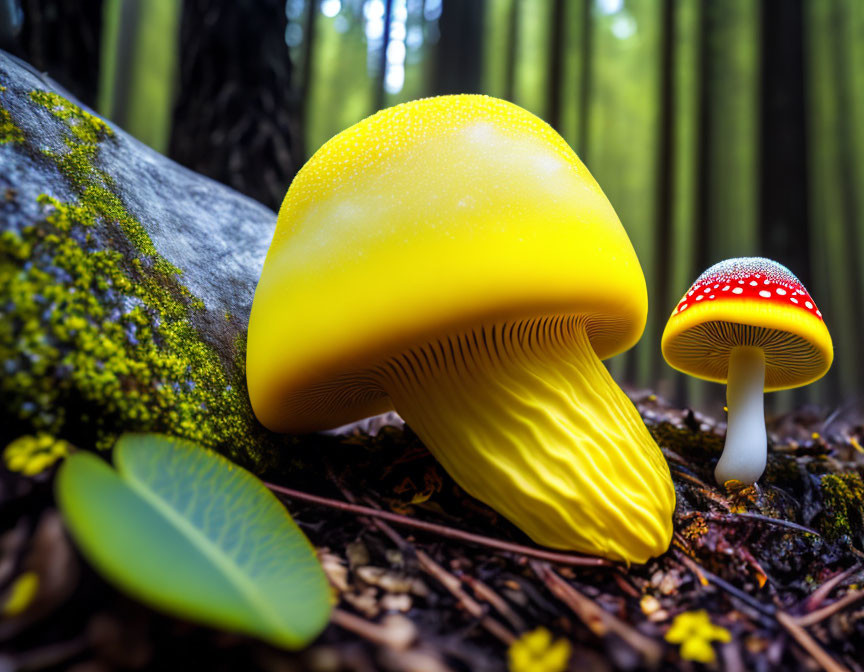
(9, 132)
(843, 507)
(98, 334)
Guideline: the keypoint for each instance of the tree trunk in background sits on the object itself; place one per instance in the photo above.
(732, 74)
(236, 115)
(680, 257)
(665, 161)
(304, 85)
(533, 68)
(380, 87)
(783, 192)
(137, 77)
(459, 53)
(556, 62)
(623, 146)
(570, 73)
(585, 81)
(705, 116)
(832, 27)
(62, 38)
(512, 49)
(845, 131)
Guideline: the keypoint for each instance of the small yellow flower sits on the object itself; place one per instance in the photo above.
(536, 652)
(694, 631)
(21, 594)
(31, 455)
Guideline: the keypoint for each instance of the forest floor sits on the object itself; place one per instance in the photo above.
(778, 569)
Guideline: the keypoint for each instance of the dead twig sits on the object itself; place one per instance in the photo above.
(473, 607)
(776, 521)
(704, 575)
(50, 656)
(703, 488)
(446, 579)
(815, 599)
(810, 645)
(597, 619)
(672, 456)
(484, 592)
(731, 517)
(625, 587)
(691, 565)
(443, 530)
(395, 631)
(823, 613)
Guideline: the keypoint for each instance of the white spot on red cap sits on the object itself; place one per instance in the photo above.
(737, 290)
(793, 299)
(780, 291)
(808, 304)
(765, 294)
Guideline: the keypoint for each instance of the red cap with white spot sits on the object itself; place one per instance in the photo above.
(749, 301)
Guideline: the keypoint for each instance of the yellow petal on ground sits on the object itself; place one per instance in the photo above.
(698, 650)
(21, 594)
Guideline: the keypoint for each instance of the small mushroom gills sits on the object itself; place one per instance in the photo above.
(751, 324)
(453, 259)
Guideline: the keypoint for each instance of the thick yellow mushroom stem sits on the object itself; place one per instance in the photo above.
(526, 418)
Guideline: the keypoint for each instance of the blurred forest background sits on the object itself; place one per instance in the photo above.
(717, 128)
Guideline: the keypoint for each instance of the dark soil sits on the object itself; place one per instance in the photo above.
(416, 600)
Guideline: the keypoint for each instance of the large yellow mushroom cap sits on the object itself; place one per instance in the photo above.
(423, 220)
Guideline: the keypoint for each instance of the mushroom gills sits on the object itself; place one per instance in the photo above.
(526, 418)
(745, 452)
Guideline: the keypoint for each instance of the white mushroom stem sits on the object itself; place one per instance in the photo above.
(746, 448)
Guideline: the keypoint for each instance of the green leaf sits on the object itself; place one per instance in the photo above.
(186, 531)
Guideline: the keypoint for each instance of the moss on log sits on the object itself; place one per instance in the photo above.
(125, 282)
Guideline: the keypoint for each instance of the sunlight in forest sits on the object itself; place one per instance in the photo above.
(610, 6)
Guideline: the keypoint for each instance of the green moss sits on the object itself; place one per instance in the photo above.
(782, 468)
(85, 132)
(843, 506)
(9, 132)
(686, 442)
(102, 327)
(84, 127)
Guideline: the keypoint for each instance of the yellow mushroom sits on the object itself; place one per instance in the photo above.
(453, 258)
(749, 323)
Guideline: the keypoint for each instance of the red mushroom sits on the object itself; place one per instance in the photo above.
(751, 324)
